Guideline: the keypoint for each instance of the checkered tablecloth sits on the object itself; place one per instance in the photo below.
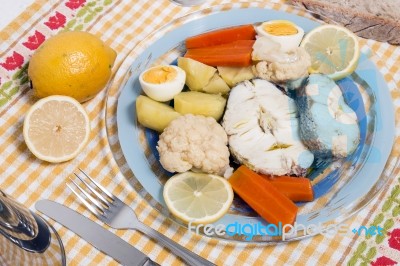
(122, 24)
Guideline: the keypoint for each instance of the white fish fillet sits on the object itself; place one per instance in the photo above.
(263, 129)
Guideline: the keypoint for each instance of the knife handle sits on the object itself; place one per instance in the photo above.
(190, 257)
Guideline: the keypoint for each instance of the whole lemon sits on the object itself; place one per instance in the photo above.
(76, 64)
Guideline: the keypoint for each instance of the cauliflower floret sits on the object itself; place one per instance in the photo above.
(285, 71)
(194, 142)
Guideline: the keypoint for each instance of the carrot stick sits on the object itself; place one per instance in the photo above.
(239, 59)
(215, 52)
(228, 48)
(235, 44)
(295, 188)
(237, 53)
(263, 197)
(227, 35)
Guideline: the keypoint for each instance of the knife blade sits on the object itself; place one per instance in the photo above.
(93, 233)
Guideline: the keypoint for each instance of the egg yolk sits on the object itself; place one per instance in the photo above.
(280, 28)
(160, 75)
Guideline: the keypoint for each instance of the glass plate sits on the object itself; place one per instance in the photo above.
(341, 188)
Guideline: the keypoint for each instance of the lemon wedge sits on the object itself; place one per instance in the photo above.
(56, 128)
(197, 197)
(334, 51)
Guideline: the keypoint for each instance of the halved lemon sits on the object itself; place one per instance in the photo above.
(56, 128)
(197, 197)
(334, 51)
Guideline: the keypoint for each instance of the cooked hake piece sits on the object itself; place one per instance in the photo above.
(263, 129)
(279, 66)
(329, 127)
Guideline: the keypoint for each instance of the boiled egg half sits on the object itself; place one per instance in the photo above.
(284, 32)
(163, 82)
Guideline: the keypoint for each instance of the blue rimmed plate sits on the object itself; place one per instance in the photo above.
(341, 188)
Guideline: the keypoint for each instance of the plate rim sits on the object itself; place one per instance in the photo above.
(122, 88)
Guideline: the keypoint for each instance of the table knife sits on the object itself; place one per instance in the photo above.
(95, 234)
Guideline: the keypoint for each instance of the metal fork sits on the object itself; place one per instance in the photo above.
(112, 211)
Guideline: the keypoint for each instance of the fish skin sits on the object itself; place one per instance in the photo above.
(328, 126)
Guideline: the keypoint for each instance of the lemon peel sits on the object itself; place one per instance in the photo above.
(76, 64)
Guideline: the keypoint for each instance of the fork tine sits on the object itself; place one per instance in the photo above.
(93, 200)
(87, 204)
(105, 202)
(105, 191)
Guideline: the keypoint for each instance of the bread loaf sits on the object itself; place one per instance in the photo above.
(375, 19)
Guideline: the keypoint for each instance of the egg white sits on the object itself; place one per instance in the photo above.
(164, 91)
(287, 42)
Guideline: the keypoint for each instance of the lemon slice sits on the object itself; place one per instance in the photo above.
(197, 197)
(334, 51)
(56, 128)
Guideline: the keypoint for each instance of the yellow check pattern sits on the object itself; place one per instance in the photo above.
(122, 24)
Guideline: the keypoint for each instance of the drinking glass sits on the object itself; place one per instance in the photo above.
(26, 238)
(188, 2)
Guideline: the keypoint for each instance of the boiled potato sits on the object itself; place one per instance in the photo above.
(198, 75)
(234, 75)
(199, 103)
(153, 114)
(216, 85)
